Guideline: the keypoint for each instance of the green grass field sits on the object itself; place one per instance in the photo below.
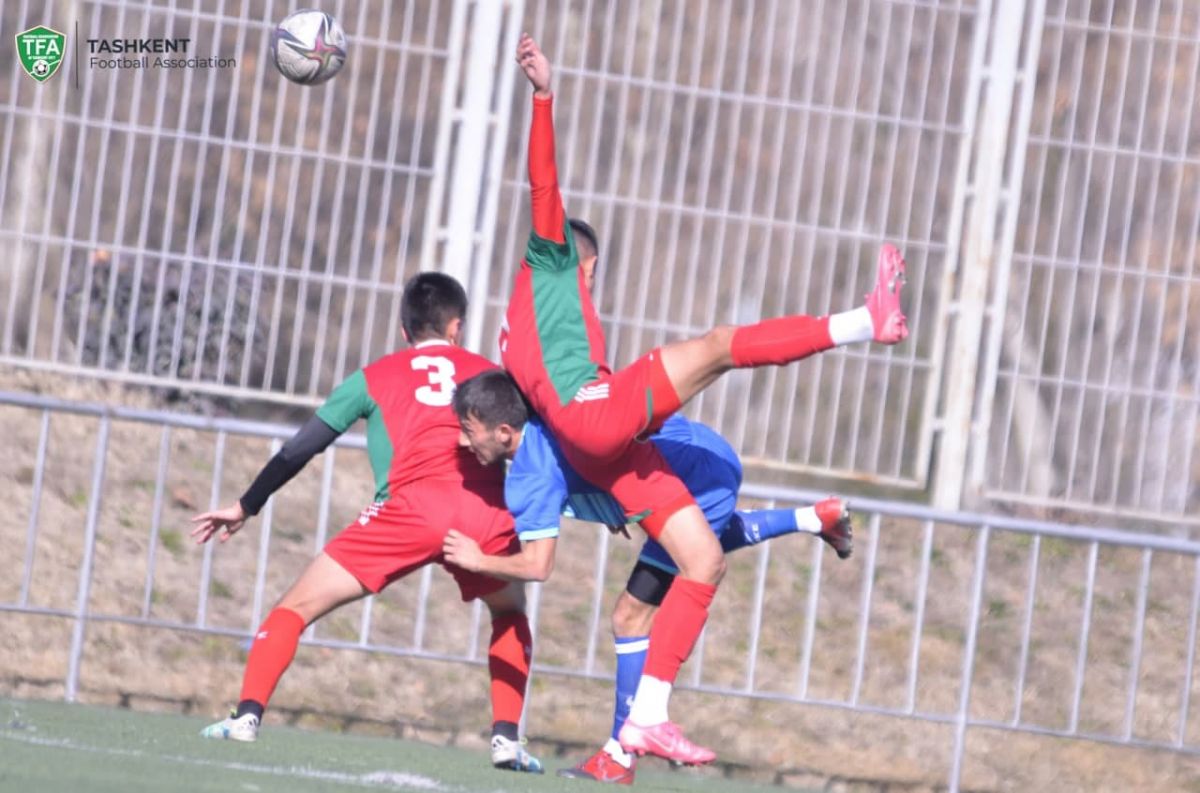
(53, 746)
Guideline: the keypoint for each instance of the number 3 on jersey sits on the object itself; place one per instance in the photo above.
(440, 391)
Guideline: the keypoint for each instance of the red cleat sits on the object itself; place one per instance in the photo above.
(883, 302)
(836, 528)
(601, 767)
(663, 740)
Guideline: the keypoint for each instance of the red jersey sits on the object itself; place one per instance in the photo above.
(551, 342)
(412, 430)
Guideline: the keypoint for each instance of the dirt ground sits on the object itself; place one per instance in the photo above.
(785, 742)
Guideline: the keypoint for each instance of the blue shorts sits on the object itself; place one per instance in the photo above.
(710, 469)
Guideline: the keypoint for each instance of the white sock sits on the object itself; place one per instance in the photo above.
(849, 327)
(650, 702)
(614, 750)
(807, 520)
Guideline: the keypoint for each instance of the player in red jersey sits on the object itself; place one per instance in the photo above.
(553, 346)
(424, 485)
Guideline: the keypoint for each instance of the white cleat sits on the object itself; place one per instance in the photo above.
(511, 756)
(231, 729)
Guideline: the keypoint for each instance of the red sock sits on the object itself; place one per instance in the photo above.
(508, 663)
(676, 627)
(780, 341)
(273, 649)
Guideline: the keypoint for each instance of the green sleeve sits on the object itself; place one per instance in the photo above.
(349, 402)
(544, 254)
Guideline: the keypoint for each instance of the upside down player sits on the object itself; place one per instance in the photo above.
(553, 346)
(425, 483)
(541, 486)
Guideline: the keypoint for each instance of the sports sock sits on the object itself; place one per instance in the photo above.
(780, 341)
(508, 664)
(273, 649)
(650, 704)
(676, 627)
(613, 748)
(506, 729)
(631, 657)
(851, 327)
(807, 520)
(750, 527)
(249, 706)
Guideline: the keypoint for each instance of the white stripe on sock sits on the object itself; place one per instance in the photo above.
(850, 327)
(807, 520)
(624, 648)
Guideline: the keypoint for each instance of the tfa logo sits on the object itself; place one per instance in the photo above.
(41, 52)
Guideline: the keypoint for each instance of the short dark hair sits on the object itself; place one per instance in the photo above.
(429, 303)
(491, 397)
(586, 242)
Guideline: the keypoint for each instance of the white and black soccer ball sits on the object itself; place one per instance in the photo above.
(41, 68)
(308, 47)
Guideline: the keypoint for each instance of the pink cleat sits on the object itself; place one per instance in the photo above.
(664, 740)
(836, 528)
(883, 302)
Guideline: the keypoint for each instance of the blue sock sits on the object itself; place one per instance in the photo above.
(754, 526)
(631, 657)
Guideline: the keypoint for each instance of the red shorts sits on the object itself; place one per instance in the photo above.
(392, 538)
(598, 432)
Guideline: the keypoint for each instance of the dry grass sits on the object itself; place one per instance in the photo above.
(793, 744)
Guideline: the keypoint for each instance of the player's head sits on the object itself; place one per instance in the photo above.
(434, 306)
(587, 245)
(492, 414)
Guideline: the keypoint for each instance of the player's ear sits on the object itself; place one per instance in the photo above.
(454, 331)
(588, 265)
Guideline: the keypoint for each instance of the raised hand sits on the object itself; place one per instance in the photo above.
(535, 65)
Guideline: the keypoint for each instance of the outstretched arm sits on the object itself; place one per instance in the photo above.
(548, 215)
(310, 440)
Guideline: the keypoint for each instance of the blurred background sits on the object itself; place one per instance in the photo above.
(194, 258)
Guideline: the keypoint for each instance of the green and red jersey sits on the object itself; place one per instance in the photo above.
(412, 430)
(551, 342)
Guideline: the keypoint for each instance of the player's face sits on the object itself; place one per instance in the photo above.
(488, 445)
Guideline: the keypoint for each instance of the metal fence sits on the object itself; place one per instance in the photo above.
(229, 233)
(221, 231)
(1090, 392)
(975, 623)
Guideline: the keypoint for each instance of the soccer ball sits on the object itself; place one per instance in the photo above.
(308, 47)
(41, 68)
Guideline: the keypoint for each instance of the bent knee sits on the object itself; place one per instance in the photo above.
(720, 338)
(718, 570)
(706, 571)
(631, 617)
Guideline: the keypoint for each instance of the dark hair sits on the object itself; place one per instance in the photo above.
(493, 398)
(586, 242)
(430, 302)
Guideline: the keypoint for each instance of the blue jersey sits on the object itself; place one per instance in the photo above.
(542, 487)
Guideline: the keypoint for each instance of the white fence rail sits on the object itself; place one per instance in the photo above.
(1038, 161)
(970, 621)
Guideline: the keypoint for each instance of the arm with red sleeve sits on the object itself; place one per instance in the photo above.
(549, 218)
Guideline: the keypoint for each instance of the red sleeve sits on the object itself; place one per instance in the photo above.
(549, 219)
